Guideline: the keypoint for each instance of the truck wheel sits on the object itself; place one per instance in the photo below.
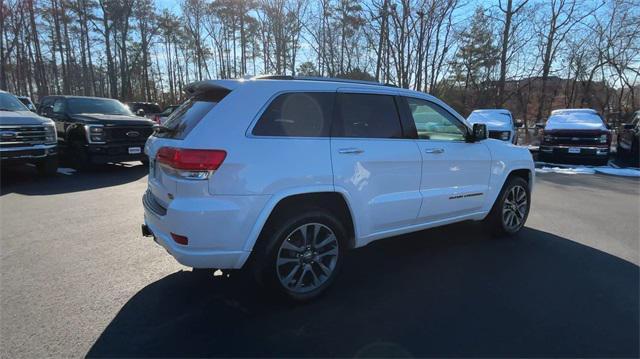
(301, 254)
(79, 156)
(635, 153)
(48, 166)
(511, 209)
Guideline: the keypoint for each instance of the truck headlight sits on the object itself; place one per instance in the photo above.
(505, 135)
(50, 134)
(95, 133)
(603, 138)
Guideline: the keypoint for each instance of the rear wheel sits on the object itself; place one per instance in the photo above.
(302, 255)
(511, 209)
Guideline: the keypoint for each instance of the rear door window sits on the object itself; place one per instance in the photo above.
(366, 116)
(298, 114)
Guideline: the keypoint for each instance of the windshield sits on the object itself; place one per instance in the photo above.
(575, 118)
(97, 105)
(8, 102)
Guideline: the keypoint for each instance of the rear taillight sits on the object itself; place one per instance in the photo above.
(191, 163)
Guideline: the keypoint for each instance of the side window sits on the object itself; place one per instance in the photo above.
(298, 114)
(58, 106)
(366, 116)
(435, 123)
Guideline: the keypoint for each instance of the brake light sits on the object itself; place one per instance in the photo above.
(191, 163)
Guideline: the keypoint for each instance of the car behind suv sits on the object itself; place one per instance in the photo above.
(499, 123)
(26, 137)
(284, 176)
(97, 130)
(575, 134)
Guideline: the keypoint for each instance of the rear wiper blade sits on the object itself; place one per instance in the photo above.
(163, 129)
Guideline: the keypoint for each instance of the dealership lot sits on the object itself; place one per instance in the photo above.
(79, 279)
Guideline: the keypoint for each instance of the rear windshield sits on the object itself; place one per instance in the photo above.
(183, 119)
(103, 106)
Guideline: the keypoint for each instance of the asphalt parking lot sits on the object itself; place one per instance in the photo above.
(77, 278)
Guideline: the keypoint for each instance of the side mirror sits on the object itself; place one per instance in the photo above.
(47, 111)
(519, 123)
(478, 133)
(140, 113)
(540, 125)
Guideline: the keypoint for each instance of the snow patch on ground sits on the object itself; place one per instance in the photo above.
(66, 171)
(611, 169)
(567, 171)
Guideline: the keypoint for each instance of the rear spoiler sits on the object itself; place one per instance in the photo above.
(210, 87)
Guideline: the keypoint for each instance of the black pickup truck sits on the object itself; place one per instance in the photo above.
(94, 130)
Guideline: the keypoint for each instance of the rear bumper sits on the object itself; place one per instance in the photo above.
(217, 228)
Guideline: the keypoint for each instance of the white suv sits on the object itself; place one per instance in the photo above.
(284, 175)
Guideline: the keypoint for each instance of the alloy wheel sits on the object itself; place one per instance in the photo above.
(307, 257)
(514, 208)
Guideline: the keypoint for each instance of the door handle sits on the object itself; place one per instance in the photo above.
(434, 150)
(350, 150)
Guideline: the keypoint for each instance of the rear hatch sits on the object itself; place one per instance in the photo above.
(174, 170)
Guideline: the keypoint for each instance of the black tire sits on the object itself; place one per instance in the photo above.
(289, 227)
(497, 218)
(79, 156)
(544, 157)
(48, 167)
(635, 153)
(620, 152)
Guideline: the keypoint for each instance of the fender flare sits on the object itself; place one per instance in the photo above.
(273, 201)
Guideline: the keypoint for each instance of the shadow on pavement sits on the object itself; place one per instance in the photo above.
(593, 182)
(440, 292)
(24, 179)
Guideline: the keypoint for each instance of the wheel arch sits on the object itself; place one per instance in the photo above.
(324, 197)
(524, 173)
(74, 132)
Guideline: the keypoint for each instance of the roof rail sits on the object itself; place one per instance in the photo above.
(317, 78)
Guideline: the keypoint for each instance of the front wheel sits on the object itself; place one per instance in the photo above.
(302, 255)
(511, 209)
(48, 166)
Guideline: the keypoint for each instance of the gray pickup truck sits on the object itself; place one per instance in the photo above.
(26, 137)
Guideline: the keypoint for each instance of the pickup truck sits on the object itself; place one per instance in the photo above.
(26, 137)
(94, 130)
(571, 135)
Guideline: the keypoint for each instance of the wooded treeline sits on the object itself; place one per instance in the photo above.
(526, 55)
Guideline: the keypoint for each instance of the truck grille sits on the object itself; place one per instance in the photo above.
(18, 136)
(574, 138)
(128, 133)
